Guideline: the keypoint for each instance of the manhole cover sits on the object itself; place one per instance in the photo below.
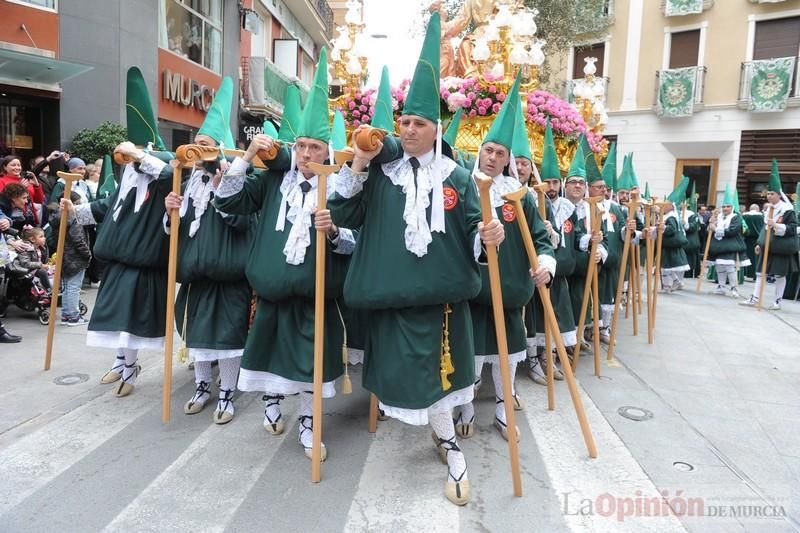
(71, 379)
(682, 467)
(635, 413)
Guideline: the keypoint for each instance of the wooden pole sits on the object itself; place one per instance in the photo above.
(484, 185)
(621, 280)
(587, 286)
(516, 200)
(373, 413)
(648, 273)
(322, 172)
(638, 265)
(185, 156)
(702, 273)
(62, 233)
(764, 259)
(540, 189)
(659, 242)
(633, 289)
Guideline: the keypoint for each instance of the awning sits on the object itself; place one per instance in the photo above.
(32, 70)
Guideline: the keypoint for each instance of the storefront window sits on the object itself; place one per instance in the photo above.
(193, 29)
(49, 4)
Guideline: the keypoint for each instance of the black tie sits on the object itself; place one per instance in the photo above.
(305, 186)
(414, 162)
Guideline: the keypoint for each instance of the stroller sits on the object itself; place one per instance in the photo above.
(26, 292)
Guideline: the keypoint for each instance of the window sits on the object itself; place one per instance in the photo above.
(47, 4)
(594, 50)
(308, 70)
(193, 29)
(684, 49)
(261, 42)
(777, 38)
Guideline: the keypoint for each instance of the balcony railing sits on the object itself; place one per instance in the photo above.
(326, 14)
(264, 85)
(569, 87)
(698, 89)
(746, 80)
(707, 4)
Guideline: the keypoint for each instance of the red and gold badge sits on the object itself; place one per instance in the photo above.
(508, 213)
(567, 226)
(450, 198)
(613, 218)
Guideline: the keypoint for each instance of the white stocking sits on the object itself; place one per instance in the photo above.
(228, 374)
(129, 372)
(306, 436)
(499, 408)
(442, 425)
(780, 286)
(119, 361)
(202, 371)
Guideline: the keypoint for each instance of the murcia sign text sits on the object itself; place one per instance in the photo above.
(186, 91)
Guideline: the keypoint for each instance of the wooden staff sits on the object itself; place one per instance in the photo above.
(373, 413)
(484, 185)
(638, 265)
(659, 240)
(185, 157)
(649, 270)
(764, 260)
(550, 318)
(540, 189)
(62, 233)
(632, 206)
(633, 288)
(322, 172)
(702, 273)
(591, 280)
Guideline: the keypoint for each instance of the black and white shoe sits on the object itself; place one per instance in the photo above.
(201, 395)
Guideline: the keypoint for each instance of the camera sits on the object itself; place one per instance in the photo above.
(11, 232)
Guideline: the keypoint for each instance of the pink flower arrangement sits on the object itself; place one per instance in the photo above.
(467, 94)
(564, 119)
(358, 108)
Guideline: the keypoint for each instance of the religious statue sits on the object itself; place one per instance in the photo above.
(475, 13)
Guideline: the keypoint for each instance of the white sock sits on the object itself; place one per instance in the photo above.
(306, 427)
(202, 371)
(733, 280)
(465, 414)
(780, 286)
(606, 312)
(272, 408)
(228, 374)
(757, 286)
(479, 360)
(443, 426)
(119, 361)
(129, 372)
(499, 408)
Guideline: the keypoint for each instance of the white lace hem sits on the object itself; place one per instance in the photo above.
(682, 268)
(205, 354)
(257, 381)
(123, 339)
(355, 356)
(513, 358)
(419, 417)
(570, 338)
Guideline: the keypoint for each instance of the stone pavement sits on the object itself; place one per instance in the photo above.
(722, 383)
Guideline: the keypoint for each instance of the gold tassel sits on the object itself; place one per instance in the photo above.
(183, 351)
(347, 386)
(446, 361)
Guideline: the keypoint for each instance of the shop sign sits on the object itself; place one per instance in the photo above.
(186, 91)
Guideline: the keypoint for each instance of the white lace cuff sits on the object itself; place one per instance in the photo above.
(233, 180)
(603, 252)
(548, 262)
(477, 248)
(345, 243)
(584, 244)
(779, 230)
(151, 165)
(349, 183)
(84, 215)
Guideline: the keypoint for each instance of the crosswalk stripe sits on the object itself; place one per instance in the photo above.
(576, 478)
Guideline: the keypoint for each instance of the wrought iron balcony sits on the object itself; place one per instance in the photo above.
(746, 84)
(264, 85)
(674, 94)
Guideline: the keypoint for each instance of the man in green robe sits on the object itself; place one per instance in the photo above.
(727, 249)
(494, 159)
(784, 241)
(213, 305)
(279, 353)
(415, 267)
(673, 242)
(130, 310)
(754, 219)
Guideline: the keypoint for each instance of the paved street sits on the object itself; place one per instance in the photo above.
(722, 383)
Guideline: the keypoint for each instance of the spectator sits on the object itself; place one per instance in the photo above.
(75, 165)
(11, 172)
(92, 178)
(34, 260)
(16, 206)
(46, 169)
(5, 336)
(76, 259)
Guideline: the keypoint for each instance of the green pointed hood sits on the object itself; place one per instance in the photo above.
(728, 198)
(290, 121)
(578, 167)
(610, 168)
(521, 144)
(314, 122)
(678, 196)
(590, 163)
(338, 133)
(646, 194)
(692, 200)
(549, 169)
(624, 181)
(269, 129)
(383, 117)
(452, 129)
(423, 93)
(502, 129)
(107, 182)
(797, 198)
(217, 123)
(736, 201)
(774, 183)
(140, 119)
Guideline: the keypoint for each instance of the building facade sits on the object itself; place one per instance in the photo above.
(680, 92)
(63, 63)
